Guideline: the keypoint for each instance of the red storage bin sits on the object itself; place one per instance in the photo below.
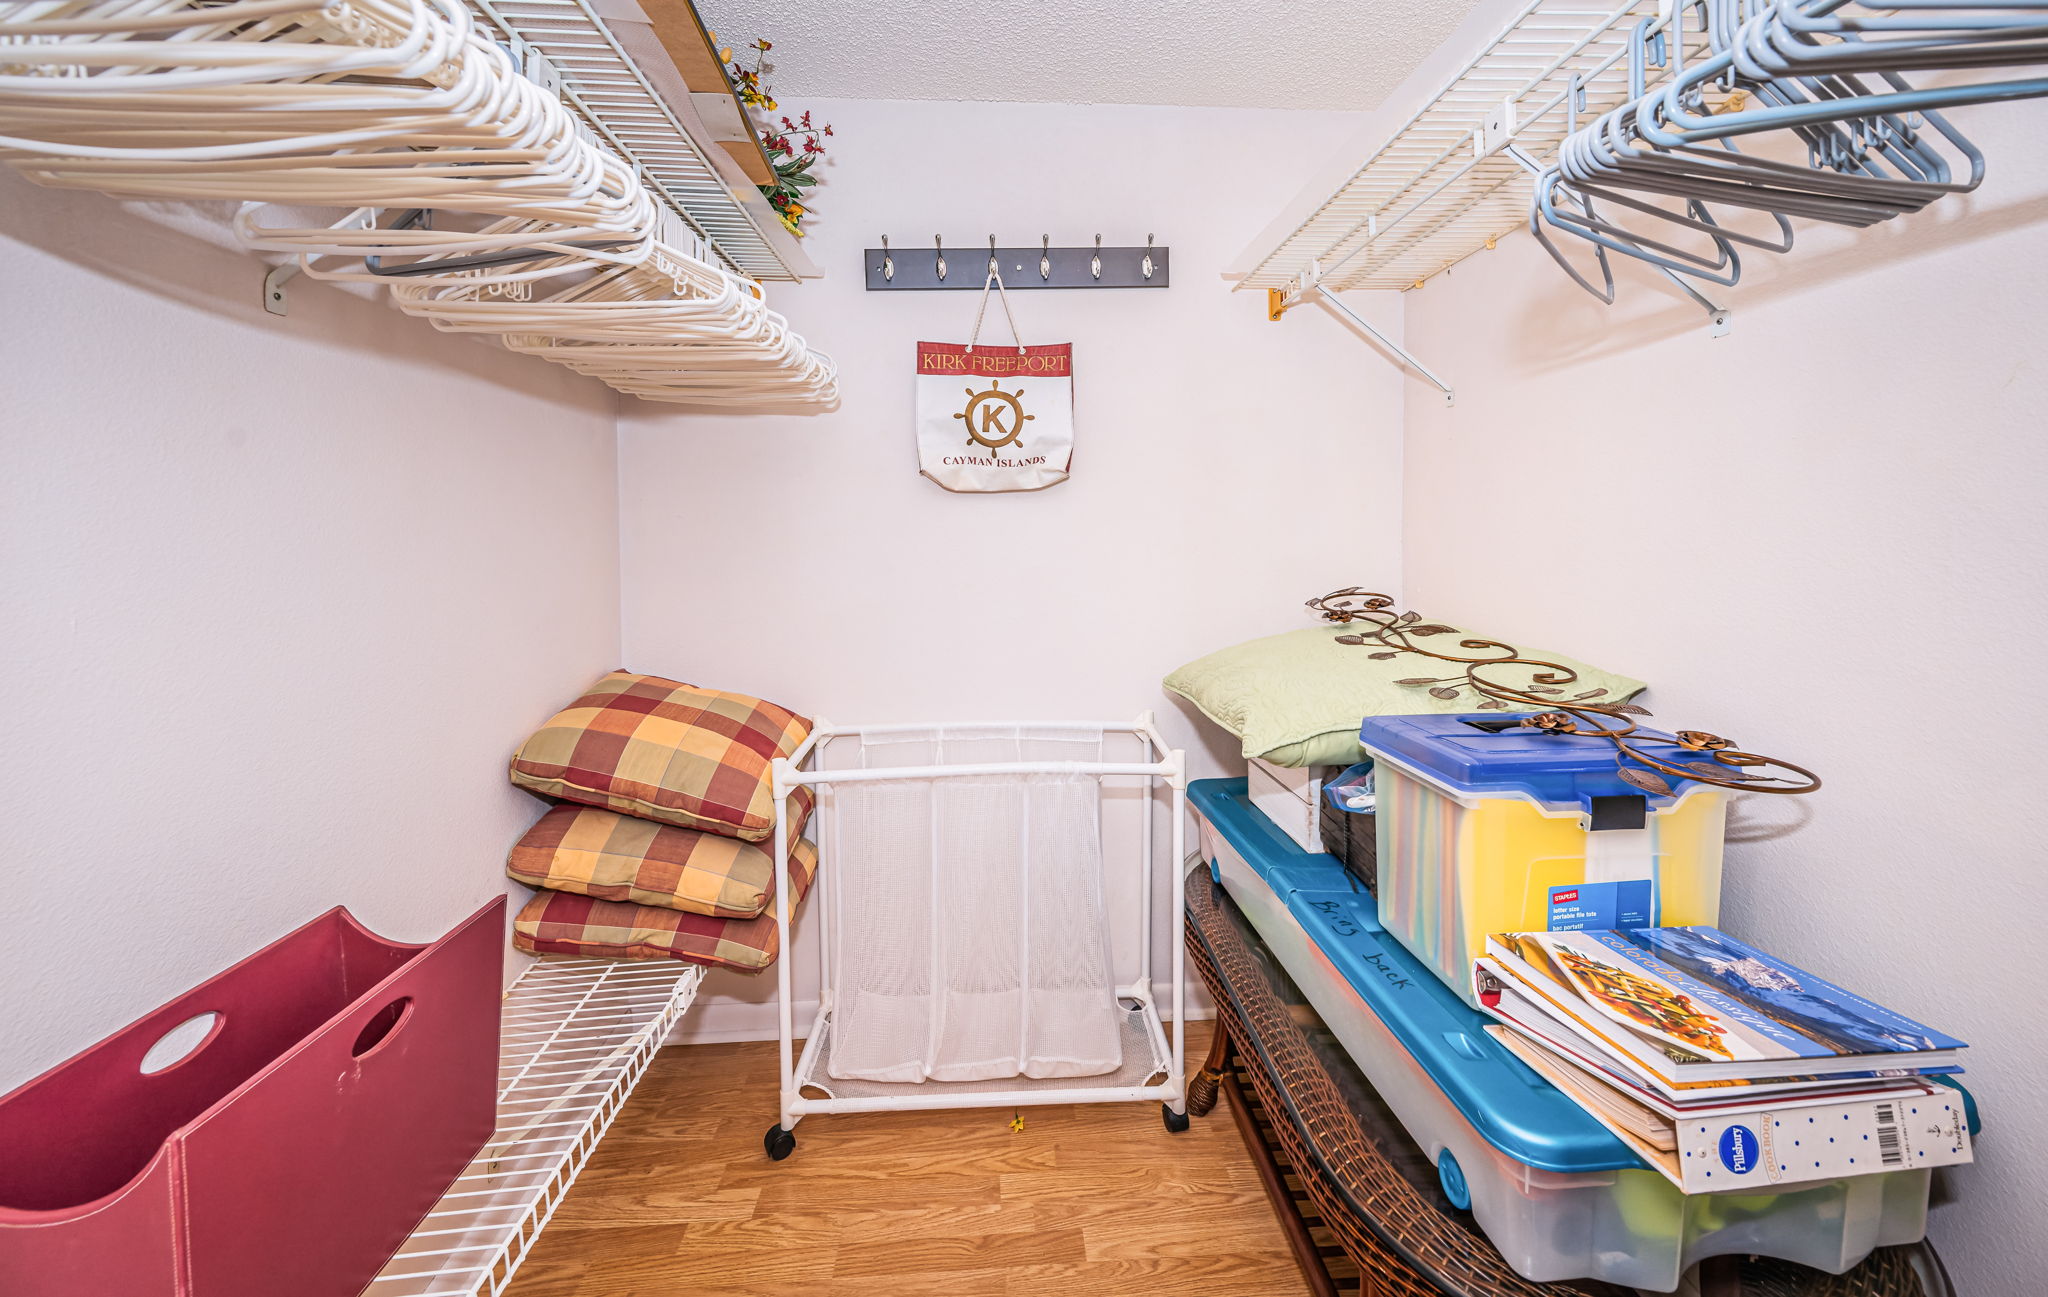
(345, 1082)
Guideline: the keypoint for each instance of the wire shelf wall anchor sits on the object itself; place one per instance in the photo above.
(275, 299)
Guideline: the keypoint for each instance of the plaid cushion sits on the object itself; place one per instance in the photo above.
(615, 857)
(558, 923)
(666, 751)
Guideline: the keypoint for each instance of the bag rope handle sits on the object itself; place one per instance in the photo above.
(1004, 293)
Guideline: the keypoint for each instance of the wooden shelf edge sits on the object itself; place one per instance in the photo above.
(683, 34)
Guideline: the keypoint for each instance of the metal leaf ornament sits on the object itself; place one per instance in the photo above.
(1642, 759)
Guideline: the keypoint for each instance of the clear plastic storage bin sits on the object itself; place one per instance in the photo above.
(1485, 827)
(1558, 1194)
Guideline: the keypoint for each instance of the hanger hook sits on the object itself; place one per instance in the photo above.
(1095, 262)
(993, 269)
(1045, 256)
(1146, 265)
(940, 249)
(888, 262)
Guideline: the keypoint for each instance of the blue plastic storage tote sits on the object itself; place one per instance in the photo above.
(1559, 1195)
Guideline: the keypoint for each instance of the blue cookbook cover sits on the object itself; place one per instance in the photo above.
(1804, 1006)
(1701, 994)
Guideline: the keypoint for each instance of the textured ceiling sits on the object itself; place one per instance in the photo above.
(1335, 54)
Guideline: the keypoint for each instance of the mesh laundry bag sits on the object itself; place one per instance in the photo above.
(973, 940)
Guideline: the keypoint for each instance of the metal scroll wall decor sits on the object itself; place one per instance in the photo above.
(1687, 754)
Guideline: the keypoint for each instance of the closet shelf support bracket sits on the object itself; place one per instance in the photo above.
(1280, 301)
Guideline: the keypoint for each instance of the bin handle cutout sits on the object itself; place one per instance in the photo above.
(182, 1042)
(381, 1027)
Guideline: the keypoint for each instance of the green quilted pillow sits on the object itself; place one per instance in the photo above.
(1297, 699)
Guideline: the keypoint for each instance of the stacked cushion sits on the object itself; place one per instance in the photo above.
(561, 923)
(1297, 699)
(664, 751)
(659, 850)
(615, 857)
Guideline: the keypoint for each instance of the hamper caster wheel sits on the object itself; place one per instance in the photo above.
(1176, 1122)
(778, 1143)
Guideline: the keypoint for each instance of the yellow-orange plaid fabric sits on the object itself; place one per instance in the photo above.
(615, 857)
(558, 923)
(666, 751)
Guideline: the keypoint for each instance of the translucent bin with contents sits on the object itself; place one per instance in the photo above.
(1486, 826)
(1559, 1195)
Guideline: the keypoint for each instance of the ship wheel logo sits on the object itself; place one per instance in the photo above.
(995, 418)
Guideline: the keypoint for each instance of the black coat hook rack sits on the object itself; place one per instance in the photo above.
(963, 266)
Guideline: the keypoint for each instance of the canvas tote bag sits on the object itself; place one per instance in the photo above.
(995, 418)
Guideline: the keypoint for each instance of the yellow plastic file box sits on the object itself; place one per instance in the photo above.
(1485, 826)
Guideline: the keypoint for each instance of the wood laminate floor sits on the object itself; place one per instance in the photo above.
(1083, 1202)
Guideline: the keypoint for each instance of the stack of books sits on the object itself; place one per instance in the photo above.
(1723, 1067)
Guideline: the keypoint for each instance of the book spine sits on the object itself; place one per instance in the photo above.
(1822, 1142)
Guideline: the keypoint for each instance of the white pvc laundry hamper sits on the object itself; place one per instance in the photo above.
(972, 921)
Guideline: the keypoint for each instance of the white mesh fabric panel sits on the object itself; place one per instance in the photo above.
(1071, 1022)
(982, 927)
(974, 944)
(882, 950)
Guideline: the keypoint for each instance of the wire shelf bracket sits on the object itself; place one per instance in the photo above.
(577, 1036)
(1309, 284)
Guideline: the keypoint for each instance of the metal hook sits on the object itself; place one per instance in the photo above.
(888, 262)
(1095, 262)
(941, 250)
(993, 269)
(1045, 256)
(1146, 264)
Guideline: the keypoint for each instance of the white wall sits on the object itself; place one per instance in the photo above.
(281, 596)
(1821, 535)
(1226, 467)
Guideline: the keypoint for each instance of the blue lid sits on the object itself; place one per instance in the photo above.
(1273, 856)
(1487, 754)
(1512, 1108)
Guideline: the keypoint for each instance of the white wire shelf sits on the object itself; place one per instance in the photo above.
(614, 94)
(1445, 185)
(578, 1034)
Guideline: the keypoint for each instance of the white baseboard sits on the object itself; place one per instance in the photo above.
(718, 1021)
